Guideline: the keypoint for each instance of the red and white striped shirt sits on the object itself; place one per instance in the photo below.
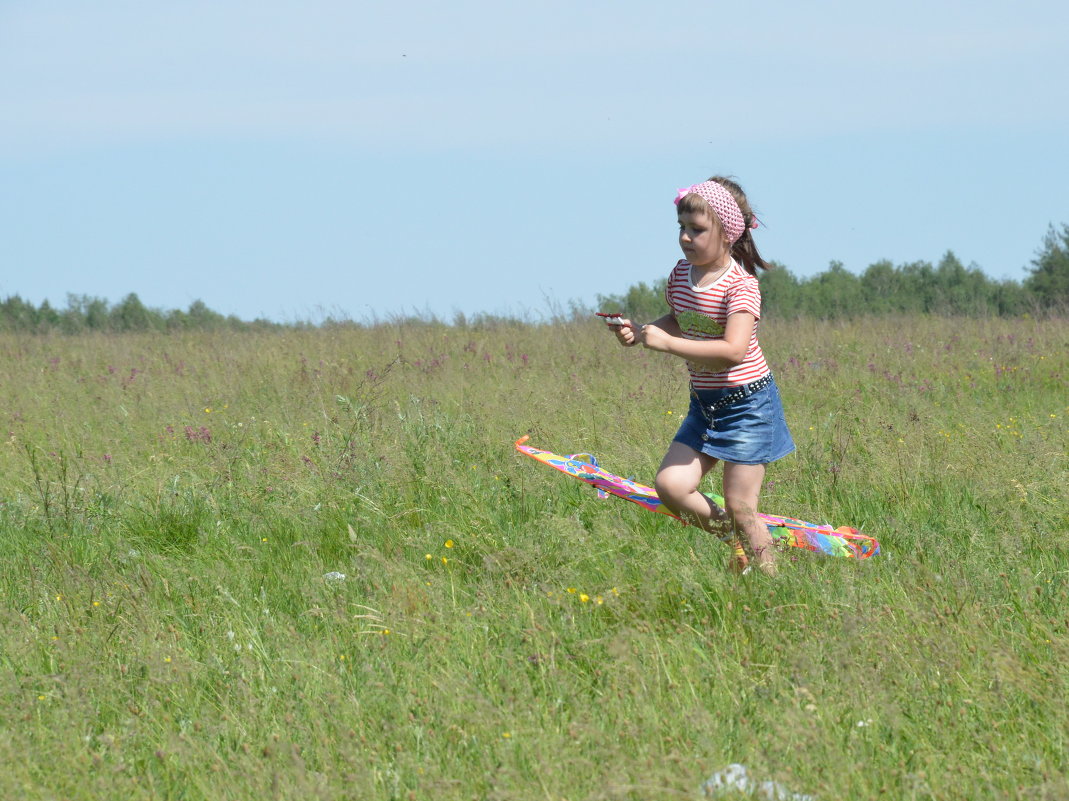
(703, 314)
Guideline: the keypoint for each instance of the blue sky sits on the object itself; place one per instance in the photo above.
(372, 158)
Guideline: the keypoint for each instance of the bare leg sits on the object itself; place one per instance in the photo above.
(677, 483)
(742, 487)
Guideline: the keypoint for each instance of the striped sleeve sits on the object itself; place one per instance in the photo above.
(673, 280)
(745, 296)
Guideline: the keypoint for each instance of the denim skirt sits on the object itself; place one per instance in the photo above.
(751, 430)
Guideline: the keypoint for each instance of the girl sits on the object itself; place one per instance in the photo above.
(735, 412)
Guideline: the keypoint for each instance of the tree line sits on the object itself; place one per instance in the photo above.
(84, 313)
(883, 288)
(948, 287)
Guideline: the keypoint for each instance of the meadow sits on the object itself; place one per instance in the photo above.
(309, 564)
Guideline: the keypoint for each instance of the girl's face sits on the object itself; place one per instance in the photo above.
(702, 240)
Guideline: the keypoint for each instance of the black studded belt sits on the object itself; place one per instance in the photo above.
(738, 394)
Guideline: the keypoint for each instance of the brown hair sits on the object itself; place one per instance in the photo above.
(744, 251)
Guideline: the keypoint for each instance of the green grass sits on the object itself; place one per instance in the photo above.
(171, 505)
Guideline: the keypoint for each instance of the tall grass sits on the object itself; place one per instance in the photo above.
(173, 505)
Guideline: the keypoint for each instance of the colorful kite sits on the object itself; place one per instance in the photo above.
(842, 541)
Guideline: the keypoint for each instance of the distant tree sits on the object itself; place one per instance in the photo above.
(47, 318)
(1008, 298)
(130, 314)
(17, 314)
(836, 292)
(203, 318)
(779, 292)
(960, 290)
(1048, 281)
(84, 311)
(881, 286)
(917, 287)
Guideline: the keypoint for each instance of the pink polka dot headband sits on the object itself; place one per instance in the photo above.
(723, 205)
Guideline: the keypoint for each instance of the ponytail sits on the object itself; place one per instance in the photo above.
(744, 251)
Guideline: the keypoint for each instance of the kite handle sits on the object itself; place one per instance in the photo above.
(612, 319)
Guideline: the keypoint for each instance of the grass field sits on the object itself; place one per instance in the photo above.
(171, 506)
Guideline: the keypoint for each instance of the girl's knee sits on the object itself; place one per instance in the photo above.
(670, 489)
(664, 489)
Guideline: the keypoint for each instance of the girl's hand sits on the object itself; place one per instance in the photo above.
(654, 337)
(626, 332)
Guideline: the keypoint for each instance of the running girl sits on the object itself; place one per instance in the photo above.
(735, 415)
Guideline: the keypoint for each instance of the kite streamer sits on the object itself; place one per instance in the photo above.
(843, 541)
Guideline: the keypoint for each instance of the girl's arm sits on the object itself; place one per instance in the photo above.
(630, 334)
(715, 354)
(669, 324)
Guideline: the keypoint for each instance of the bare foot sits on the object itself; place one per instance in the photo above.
(768, 568)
